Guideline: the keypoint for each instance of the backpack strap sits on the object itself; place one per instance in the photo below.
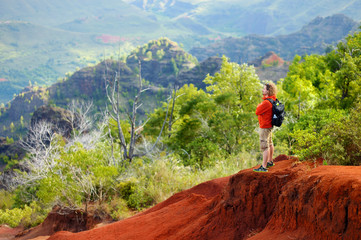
(270, 100)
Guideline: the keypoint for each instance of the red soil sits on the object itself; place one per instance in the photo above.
(7, 233)
(292, 201)
(109, 39)
(60, 219)
(271, 58)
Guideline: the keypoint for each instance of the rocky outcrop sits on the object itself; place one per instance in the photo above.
(9, 151)
(293, 200)
(197, 74)
(270, 59)
(65, 219)
(270, 67)
(60, 118)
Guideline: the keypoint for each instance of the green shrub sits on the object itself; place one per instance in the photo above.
(150, 183)
(28, 216)
(330, 134)
(118, 209)
(342, 140)
(201, 151)
(139, 200)
(308, 133)
(127, 188)
(7, 199)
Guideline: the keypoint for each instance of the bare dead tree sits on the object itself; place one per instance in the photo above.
(110, 136)
(41, 146)
(112, 87)
(79, 116)
(112, 92)
(132, 117)
(82, 125)
(170, 123)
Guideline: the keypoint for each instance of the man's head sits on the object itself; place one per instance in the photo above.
(269, 89)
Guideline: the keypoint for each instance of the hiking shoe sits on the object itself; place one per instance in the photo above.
(270, 164)
(260, 169)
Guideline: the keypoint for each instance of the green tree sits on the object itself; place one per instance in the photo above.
(160, 54)
(22, 121)
(149, 55)
(348, 75)
(224, 118)
(12, 127)
(300, 94)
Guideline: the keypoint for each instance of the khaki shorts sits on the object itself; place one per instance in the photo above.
(265, 138)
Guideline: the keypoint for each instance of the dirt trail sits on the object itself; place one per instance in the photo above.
(292, 201)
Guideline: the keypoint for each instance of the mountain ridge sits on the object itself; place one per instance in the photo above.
(311, 39)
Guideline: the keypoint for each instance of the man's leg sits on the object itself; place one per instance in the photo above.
(270, 153)
(265, 157)
(264, 137)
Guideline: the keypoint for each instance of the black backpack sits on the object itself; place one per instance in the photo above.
(278, 112)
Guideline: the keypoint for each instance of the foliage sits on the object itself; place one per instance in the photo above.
(118, 209)
(148, 183)
(320, 92)
(6, 199)
(329, 134)
(348, 75)
(342, 139)
(28, 216)
(308, 132)
(208, 126)
(322, 81)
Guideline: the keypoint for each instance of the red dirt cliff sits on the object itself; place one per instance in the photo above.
(292, 201)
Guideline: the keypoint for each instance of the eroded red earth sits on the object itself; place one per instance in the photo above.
(292, 201)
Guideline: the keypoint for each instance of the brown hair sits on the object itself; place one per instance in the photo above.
(272, 89)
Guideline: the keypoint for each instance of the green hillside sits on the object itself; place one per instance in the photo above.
(161, 60)
(53, 13)
(40, 55)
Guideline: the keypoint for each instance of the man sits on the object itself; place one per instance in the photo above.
(264, 113)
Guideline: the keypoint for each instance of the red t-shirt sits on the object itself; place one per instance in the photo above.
(264, 112)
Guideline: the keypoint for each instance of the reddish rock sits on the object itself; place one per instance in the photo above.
(293, 200)
(60, 219)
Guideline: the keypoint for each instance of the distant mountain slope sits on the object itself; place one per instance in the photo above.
(239, 18)
(30, 52)
(231, 17)
(313, 38)
(270, 17)
(56, 12)
(160, 59)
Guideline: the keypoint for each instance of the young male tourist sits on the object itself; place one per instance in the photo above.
(264, 113)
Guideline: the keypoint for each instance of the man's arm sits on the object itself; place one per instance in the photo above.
(263, 107)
